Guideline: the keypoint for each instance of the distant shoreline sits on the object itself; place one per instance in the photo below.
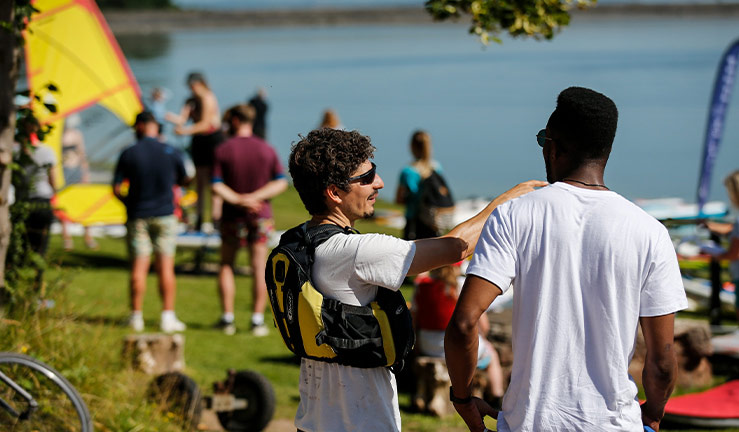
(161, 21)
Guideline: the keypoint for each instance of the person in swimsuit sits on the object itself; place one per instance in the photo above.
(204, 117)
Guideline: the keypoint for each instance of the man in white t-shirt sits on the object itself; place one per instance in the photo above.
(338, 184)
(587, 266)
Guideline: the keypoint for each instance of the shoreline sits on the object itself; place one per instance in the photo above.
(162, 21)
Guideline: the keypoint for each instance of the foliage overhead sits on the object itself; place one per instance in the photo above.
(22, 11)
(539, 19)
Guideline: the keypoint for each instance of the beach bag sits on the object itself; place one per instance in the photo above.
(312, 326)
(436, 205)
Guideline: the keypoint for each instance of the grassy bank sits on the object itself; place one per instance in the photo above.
(83, 335)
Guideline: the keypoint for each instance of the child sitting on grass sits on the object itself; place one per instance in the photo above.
(433, 304)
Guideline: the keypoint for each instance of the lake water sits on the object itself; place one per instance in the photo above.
(307, 4)
(482, 106)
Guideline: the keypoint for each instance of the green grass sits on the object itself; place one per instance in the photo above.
(83, 335)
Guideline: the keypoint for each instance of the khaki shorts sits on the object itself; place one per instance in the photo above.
(154, 233)
(241, 234)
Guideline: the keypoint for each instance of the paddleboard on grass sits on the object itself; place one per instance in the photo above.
(717, 407)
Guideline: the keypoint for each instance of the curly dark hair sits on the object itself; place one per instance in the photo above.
(326, 157)
(586, 120)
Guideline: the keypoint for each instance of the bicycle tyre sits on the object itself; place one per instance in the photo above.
(44, 383)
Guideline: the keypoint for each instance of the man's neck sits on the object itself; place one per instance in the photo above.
(335, 217)
(245, 131)
(588, 176)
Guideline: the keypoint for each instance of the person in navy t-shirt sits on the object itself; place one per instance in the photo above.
(151, 169)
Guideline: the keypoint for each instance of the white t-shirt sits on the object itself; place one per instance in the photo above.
(340, 398)
(38, 173)
(585, 266)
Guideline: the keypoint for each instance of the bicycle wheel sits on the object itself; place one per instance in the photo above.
(60, 406)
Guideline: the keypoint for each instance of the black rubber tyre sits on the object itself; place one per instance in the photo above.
(60, 406)
(260, 397)
(177, 393)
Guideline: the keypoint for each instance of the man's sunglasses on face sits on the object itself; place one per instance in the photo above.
(366, 178)
(542, 137)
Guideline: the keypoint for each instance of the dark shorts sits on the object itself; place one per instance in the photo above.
(241, 234)
(203, 148)
(38, 223)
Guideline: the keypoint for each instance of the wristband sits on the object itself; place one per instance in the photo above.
(457, 400)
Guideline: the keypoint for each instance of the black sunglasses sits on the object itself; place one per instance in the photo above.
(542, 137)
(366, 178)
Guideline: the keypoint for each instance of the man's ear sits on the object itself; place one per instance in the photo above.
(332, 192)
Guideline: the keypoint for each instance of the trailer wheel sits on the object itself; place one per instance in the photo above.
(260, 403)
(177, 393)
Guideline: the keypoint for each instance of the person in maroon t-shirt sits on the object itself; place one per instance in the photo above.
(246, 174)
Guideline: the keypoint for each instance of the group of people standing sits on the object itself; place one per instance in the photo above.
(240, 171)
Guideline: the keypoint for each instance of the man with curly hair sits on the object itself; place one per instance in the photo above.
(588, 267)
(338, 184)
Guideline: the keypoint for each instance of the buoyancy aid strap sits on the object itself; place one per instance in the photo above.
(343, 343)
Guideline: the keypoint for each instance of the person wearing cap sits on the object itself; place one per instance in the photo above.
(338, 184)
(587, 267)
(151, 169)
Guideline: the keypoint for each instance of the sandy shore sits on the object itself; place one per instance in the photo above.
(172, 20)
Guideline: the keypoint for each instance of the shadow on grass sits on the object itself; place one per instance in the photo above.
(110, 321)
(286, 359)
(94, 259)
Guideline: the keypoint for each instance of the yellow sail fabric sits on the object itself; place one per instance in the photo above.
(69, 45)
(90, 204)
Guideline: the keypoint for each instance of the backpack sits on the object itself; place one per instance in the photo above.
(315, 327)
(436, 205)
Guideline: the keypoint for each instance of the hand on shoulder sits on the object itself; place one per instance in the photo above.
(520, 189)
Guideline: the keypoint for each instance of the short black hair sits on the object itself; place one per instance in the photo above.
(587, 121)
(144, 117)
(326, 157)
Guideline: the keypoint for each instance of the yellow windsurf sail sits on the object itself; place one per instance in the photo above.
(69, 45)
(90, 204)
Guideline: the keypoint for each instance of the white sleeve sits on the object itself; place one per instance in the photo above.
(383, 260)
(663, 291)
(495, 254)
(46, 156)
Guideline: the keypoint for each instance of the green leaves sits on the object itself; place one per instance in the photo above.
(540, 19)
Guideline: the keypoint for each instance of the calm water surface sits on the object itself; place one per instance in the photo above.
(482, 106)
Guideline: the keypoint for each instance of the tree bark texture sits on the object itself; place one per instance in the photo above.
(9, 57)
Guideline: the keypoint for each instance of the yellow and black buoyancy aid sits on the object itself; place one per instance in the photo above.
(313, 326)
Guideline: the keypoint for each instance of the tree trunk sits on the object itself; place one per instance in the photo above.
(9, 57)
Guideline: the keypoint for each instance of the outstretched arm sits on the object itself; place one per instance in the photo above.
(660, 367)
(460, 242)
(460, 348)
(181, 118)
